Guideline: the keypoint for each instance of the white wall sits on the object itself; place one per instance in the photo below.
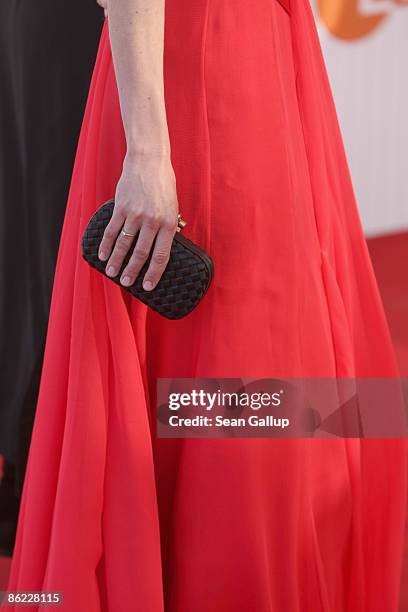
(369, 78)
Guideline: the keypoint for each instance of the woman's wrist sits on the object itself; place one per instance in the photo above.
(149, 150)
(149, 139)
(145, 125)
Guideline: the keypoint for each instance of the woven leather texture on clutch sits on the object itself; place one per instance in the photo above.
(184, 282)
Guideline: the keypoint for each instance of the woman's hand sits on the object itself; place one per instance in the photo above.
(146, 200)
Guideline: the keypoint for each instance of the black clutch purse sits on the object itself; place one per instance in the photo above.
(184, 282)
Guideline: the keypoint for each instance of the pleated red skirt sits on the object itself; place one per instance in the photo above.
(119, 520)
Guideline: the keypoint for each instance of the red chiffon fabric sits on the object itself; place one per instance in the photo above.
(119, 520)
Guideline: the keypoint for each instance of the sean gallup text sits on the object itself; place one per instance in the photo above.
(220, 421)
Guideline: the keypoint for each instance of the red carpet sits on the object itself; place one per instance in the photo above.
(390, 257)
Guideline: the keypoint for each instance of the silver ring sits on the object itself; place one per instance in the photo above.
(127, 233)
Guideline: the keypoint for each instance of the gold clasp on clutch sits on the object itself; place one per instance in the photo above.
(180, 223)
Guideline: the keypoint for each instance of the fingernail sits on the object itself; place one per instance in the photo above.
(102, 255)
(125, 280)
(110, 271)
(147, 285)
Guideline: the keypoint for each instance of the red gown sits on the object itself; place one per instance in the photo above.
(118, 520)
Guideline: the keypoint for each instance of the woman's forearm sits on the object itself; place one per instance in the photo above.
(136, 29)
(146, 203)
